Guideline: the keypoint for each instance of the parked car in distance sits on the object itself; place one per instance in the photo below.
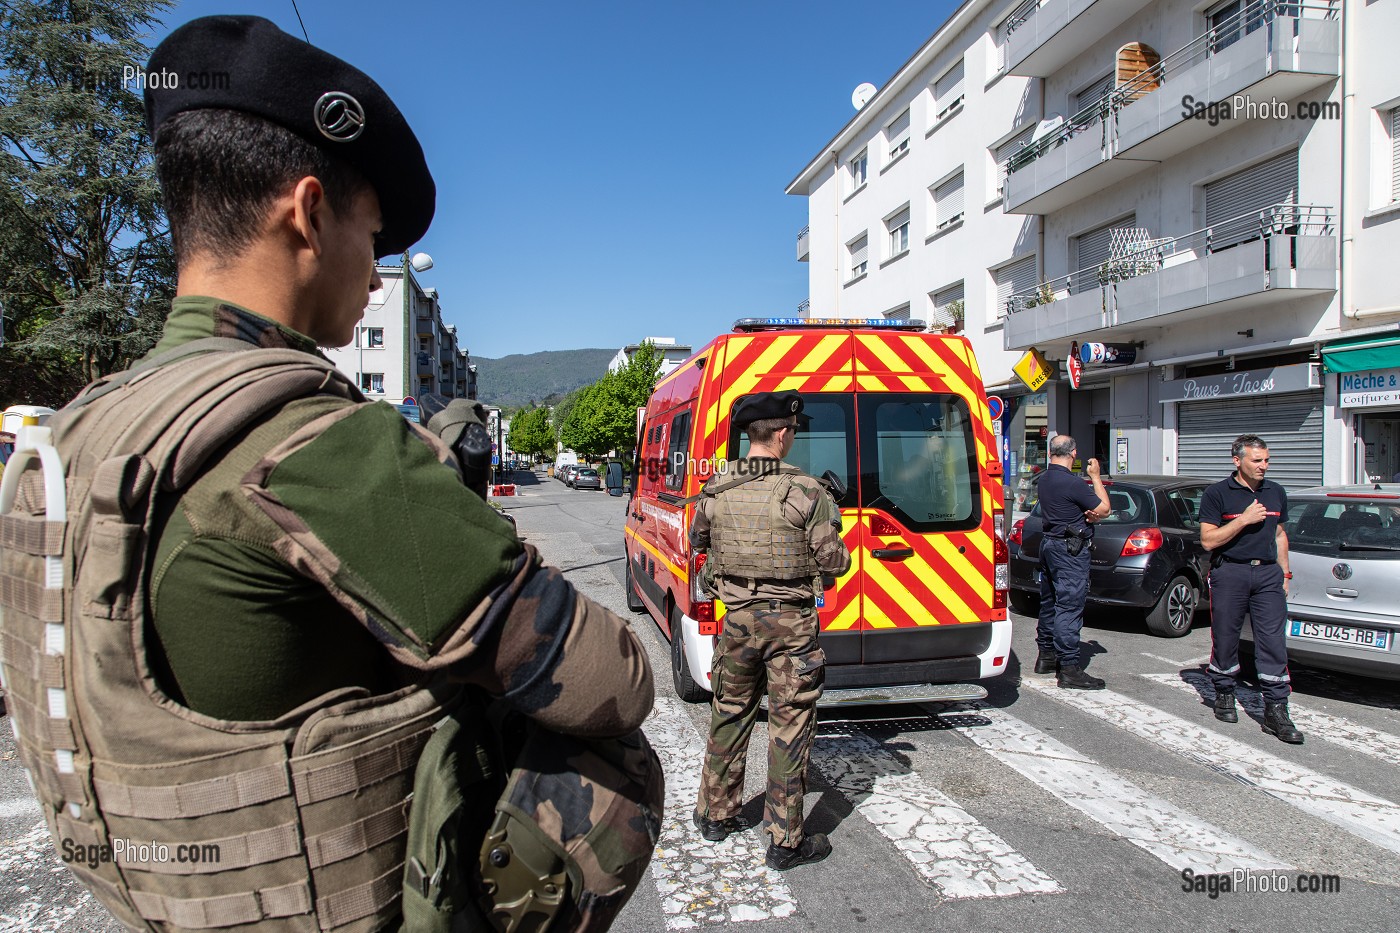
(562, 474)
(1146, 554)
(1344, 598)
(585, 478)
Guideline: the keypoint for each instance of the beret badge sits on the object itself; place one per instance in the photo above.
(339, 117)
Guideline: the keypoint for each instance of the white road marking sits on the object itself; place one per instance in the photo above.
(1313, 723)
(704, 882)
(1359, 813)
(20, 806)
(1147, 821)
(1191, 663)
(946, 845)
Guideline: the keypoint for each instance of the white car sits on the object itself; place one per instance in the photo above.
(1344, 598)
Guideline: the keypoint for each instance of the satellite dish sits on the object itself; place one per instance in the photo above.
(861, 95)
(421, 262)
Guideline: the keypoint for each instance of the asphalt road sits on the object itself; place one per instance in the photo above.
(1039, 810)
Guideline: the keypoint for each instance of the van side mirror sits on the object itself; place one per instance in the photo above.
(834, 484)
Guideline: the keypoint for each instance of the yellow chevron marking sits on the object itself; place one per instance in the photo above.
(936, 364)
(848, 616)
(882, 351)
(841, 383)
(745, 383)
(960, 565)
(820, 356)
(870, 383)
(791, 384)
(879, 576)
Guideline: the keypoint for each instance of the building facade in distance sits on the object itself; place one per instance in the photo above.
(672, 355)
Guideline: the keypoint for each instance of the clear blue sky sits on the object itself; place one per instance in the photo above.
(612, 169)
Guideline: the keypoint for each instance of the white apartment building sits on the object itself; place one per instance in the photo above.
(402, 348)
(672, 355)
(1063, 168)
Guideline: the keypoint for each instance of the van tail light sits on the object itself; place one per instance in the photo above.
(1016, 530)
(1002, 557)
(1142, 541)
(702, 608)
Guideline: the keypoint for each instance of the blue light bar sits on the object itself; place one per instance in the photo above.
(786, 323)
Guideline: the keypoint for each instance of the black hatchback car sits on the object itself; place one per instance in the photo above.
(1146, 553)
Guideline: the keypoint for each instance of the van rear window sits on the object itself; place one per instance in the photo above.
(919, 460)
(824, 441)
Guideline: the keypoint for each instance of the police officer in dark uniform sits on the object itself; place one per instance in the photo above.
(1242, 526)
(1067, 508)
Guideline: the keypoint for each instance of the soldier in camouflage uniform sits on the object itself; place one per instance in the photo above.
(771, 531)
(330, 551)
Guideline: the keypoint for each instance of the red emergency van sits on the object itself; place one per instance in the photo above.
(900, 417)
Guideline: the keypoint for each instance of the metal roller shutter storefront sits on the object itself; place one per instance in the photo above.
(1290, 424)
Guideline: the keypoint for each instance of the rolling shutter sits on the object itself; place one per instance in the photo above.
(1094, 93)
(1006, 150)
(948, 90)
(1017, 278)
(941, 300)
(948, 201)
(1095, 248)
(1291, 424)
(1233, 202)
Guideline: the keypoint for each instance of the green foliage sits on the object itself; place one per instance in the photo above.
(531, 433)
(603, 416)
(86, 271)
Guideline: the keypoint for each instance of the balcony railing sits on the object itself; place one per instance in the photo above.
(1021, 14)
(1155, 255)
(804, 244)
(804, 306)
(1281, 15)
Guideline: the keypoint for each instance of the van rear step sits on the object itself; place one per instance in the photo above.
(907, 693)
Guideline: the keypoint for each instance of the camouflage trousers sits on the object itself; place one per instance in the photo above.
(776, 650)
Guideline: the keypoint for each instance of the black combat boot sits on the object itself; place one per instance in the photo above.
(720, 830)
(1047, 662)
(1225, 707)
(1074, 678)
(813, 849)
(1276, 722)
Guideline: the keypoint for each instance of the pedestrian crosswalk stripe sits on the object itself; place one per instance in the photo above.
(702, 882)
(946, 845)
(1313, 723)
(1147, 821)
(1359, 813)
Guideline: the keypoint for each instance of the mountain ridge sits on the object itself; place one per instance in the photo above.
(544, 377)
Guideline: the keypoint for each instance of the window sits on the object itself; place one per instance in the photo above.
(1395, 154)
(1092, 250)
(371, 338)
(372, 383)
(898, 226)
(897, 134)
(857, 249)
(948, 202)
(898, 314)
(825, 441)
(1094, 93)
(924, 470)
(1233, 19)
(1014, 278)
(1003, 153)
(678, 452)
(1233, 203)
(948, 92)
(857, 170)
(1187, 503)
(948, 306)
(1000, 33)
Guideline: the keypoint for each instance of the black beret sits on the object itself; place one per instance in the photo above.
(246, 63)
(767, 405)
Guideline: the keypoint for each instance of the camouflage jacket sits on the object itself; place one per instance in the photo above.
(333, 545)
(808, 506)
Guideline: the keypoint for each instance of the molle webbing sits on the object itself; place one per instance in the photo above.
(751, 538)
(324, 788)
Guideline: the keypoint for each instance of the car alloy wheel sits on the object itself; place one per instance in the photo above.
(1175, 610)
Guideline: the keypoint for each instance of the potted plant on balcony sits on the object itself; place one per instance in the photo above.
(1045, 295)
(956, 312)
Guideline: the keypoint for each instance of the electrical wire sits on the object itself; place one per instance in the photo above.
(299, 20)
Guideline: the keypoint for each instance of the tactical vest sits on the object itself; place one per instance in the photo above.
(751, 538)
(307, 813)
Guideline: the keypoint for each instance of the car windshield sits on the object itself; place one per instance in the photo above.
(1359, 528)
(1130, 505)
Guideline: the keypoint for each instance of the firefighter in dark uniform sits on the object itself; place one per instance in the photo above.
(1242, 526)
(1067, 508)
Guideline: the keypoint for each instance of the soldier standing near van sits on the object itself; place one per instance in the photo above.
(771, 532)
(1067, 508)
(1242, 526)
(283, 593)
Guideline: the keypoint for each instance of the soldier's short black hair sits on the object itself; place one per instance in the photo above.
(762, 430)
(1247, 440)
(220, 171)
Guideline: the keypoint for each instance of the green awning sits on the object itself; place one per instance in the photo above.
(1380, 351)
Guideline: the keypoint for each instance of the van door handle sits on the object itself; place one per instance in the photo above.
(893, 553)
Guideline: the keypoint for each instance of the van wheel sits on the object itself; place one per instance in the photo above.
(686, 687)
(634, 602)
(1174, 612)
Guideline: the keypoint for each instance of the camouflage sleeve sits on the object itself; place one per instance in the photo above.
(810, 506)
(700, 524)
(373, 509)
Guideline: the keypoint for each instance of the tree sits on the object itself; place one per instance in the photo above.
(86, 268)
(531, 433)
